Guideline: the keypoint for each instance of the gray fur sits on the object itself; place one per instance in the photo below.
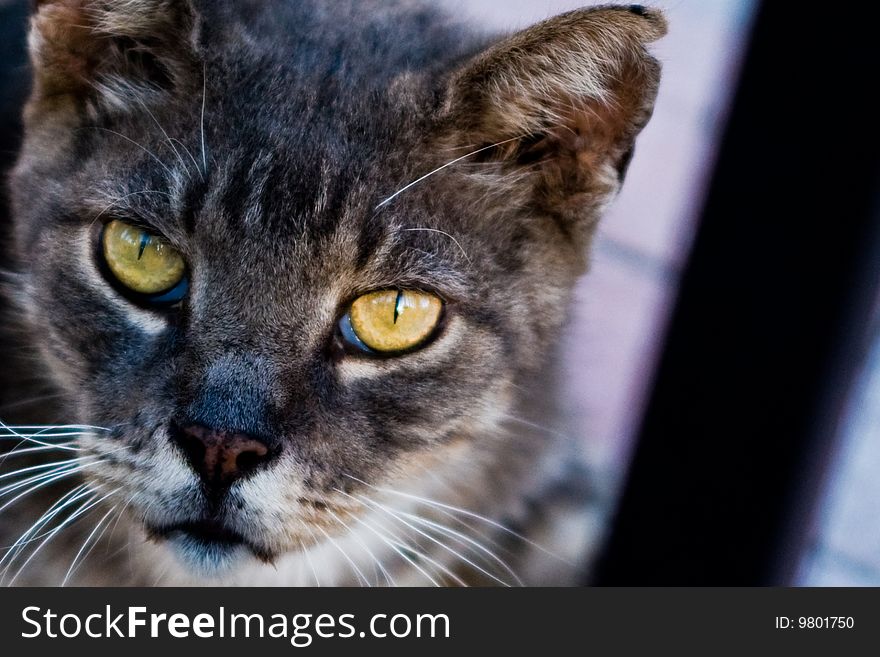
(263, 140)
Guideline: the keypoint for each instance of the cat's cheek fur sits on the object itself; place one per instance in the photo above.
(440, 350)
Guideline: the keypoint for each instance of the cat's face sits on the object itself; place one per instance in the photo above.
(260, 383)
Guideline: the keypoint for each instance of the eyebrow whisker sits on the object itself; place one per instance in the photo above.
(440, 168)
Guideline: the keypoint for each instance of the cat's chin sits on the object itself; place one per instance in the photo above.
(208, 559)
(207, 551)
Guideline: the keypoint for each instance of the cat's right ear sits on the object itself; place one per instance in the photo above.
(555, 109)
(93, 56)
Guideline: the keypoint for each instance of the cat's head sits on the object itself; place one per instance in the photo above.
(282, 255)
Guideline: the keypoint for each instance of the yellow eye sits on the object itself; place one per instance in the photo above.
(394, 320)
(142, 262)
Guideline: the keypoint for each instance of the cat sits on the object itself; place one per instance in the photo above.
(296, 271)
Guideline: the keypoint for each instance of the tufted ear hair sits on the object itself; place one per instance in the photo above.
(102, 55)
(562, 102)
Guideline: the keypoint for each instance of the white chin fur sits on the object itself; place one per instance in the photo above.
(209, 560)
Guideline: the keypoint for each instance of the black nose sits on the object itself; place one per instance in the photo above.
(220, 457)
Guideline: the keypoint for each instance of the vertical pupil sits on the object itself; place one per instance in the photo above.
(145, 241)
(398, 305)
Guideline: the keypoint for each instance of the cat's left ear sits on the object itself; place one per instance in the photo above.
(562, 102)
(104, 55)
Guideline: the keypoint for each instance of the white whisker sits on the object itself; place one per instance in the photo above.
(73, 564)
(34, 478)
(85, 507)
(119, 517)
(41, 466)
(473, 530)
(167, 138)
(357, 571)
(362, 543)
(465, 512)
(18, 451)
(442, 232)
(202, 120)
(18, 403)
(71, 497)
(527, 423)
(43, 435)
(64, 524)
(143, 148)
(28, 439)
(311, 564)
(440, 168)
(52, 427)
(191, 157)
(443, 569)
(433, 539)
(126, 197)
(46, 432)
(394, 546)
(43, 481)
(436, 566)
(466, 539)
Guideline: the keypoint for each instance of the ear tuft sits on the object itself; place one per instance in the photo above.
(595, 56)
(652, 15)
(572, 92)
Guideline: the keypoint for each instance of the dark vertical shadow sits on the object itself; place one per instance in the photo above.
(14, 84)
(772, 316)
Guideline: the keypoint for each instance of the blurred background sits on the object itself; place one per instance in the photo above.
(844, 543)
(619, 330)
